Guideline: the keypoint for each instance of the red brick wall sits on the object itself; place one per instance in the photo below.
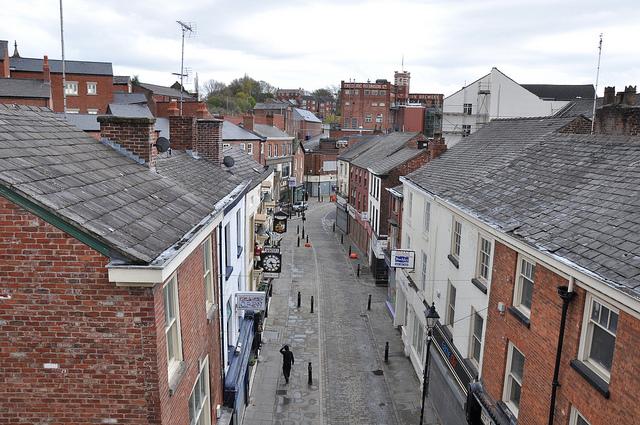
(24, 101)
(137, 135)
(618, 119)
(182, 132)
(82, 101)
(361, 105)
(256, 147)
(200, 337)
(63, 310)
(209, 139)
(580, 125)
(538, 344)
(412, 119)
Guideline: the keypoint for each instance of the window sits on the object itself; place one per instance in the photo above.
(199, 400)
(427, 216)
(227, 248)
(347, 92)
(476, 337)
(418, 336)
(71, 88)
(374, 104)
(92, 88)
(466, 108)
(250, 148)
(379, 118)
(577, 418)
(238, 233)
(354, 122)
(602, 324)
(484, 259)
(366, 92)
(269, 151)
(410, 204)
(92, 111)
(242, 146)
(456, 238)
(355, 92)
(466, 130)
(381, 104)
(451, 304)
(524, 286)
(423, 273)
(513, 379)
(347, 104)
(381, 93)
(72, 111)
(208, 273)
(275, 150)
(172, 324)
(367, 118)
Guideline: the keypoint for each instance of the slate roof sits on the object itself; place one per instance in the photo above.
(165, 91)
(85, 122)
(92, 187)
(121, 79)
(129, 98)
(575, 197)
(313, 143)
(366, 143)
(230, 131)
(306, 115)
(390, 151)
(129, 111)
(579, 107)
(270, 132)
(561, 91)
(71, 67)
(275, 104)
(24, 88)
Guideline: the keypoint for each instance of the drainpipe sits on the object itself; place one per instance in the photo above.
(566, 294)
(221, 273)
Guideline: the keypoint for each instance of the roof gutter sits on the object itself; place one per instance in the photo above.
(582, 277)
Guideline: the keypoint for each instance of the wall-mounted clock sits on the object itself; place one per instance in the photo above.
(272, 262)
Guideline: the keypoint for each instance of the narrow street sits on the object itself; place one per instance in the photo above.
(341, 339)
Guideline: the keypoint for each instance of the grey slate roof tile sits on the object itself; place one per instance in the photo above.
(574, 195)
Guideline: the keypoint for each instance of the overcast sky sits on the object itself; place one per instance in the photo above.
(314, 44)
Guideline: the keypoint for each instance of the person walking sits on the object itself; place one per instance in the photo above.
(287, 361)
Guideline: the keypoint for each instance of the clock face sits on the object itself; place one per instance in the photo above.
(271, 262)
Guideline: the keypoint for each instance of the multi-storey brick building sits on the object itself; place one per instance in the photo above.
(249, 142)
(367, 105)
(130, 277)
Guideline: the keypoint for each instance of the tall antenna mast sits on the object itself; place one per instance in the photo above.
(185, 28)
(402, 66)
(64, 80)
(595, 94)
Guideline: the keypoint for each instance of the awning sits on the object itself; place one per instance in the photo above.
(260, 218)
(235, 382)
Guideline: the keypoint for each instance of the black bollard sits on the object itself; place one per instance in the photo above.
(303, 231)
(369, 303)
(358, 269)
(307, 238)
(334, 227)
(310, 374)
(271, 290)
(342, 239)
(386, 352)
(298, 299)
(349, 250)
(298, 229)
(312, 303)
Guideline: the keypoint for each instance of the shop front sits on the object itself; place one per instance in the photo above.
(236, 382)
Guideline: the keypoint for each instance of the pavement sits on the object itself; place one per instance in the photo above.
(342, 340)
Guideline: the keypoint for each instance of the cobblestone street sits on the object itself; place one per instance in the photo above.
(341, 339)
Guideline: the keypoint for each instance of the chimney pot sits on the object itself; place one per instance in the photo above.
(202, 111)
(248, 121)
(630, 95)
(172, 109)
(609, 95)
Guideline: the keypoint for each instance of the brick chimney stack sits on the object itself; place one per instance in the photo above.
(172, 109)
(136, 135)
(437, 146)
(209, 139)
(202, 111)
(609, 95)
(629, 97)
(270, 119)
(46, 71)
(4, 57)
(248, 121)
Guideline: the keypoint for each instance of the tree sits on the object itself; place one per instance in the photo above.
(213, 87)
(325, 93)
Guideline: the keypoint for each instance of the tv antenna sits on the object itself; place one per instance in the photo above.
(595, 94)
(186, 29)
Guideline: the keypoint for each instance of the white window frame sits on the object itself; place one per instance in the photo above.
(72, 111)
(586, 337)
(368, 118)
(93, 92)
(426, 221)
(467, 108)
(92, 111)
(417, 336)
(250, 148)
(71, 88)
(451, 307)
(517, 290)
(172, 363)
(242, 147)
(239, 239)
(410, 205)
(575, 415)
(507, 382)
(207, 263)
(475, 339)
(379, 118)
(424, 263)
(480, 263)
(456, 238)
(201, 415)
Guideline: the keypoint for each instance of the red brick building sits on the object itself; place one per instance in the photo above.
(367, 105)
(251, 143)
(129, 280)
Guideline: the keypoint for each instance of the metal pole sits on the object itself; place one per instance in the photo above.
(595, 94)
(369, 303)
(386, 352)
(64, 78)
(312, 303)
(310, 374)
(359, 273)
(298, 299)
(298, 241)
(182, 70)
(425, 379)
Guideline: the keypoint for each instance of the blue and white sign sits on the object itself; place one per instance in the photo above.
(403, 259)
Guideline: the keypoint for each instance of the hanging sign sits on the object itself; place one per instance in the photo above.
(280, 223)
(403, 259)
(251, 300)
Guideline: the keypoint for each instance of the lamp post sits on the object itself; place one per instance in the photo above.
(432, 317)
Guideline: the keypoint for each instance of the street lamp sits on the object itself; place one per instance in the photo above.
(432, 317)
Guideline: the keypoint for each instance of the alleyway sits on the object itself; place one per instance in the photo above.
(341, 339)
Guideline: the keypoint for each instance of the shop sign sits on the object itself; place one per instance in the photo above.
(351, 210)
(280, 223)
(251, 300)
(292, 182)
(452, 359)
(403, 259)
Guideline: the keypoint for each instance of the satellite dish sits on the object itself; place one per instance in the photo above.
(162, 144)
(228, 161)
